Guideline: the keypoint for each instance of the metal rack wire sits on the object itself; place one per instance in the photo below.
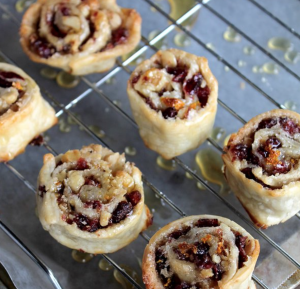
(65, 109)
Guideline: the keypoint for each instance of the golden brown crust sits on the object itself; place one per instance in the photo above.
(114, 179)
(173, 137)
(18, 128)
(241, 278)
(278, 199)
(87, 59)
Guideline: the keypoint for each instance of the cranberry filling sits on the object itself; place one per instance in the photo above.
(267, 123)
(289, 126)
(6, 78)
(123, 209)
(38, 141)
(119, 36)
(134, 197)
(207, 223)
(169, 112)
(93, 204)
(240, 242)
(273, 142)
(81, 164)
(178, 72)
(42, 191)
(41, 47)
(193, 86)
(84, 223)
(178, 233)
(92, 182)
(136, 79)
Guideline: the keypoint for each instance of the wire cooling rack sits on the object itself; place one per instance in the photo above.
(95, 97)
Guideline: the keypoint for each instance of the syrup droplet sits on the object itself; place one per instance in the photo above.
(97, 131)
(217, 133)
(210, 164)
(111, 80)
(81, 257)
(66, 80)
(231, 35)
(290, 105)
(270, 68)
(292, 56)
(161, 44)
(188, 175)
(180, 7)
(248, 50)
(71, 121)
(136, 61)
(182, 40)
(226, 140)
(48, 72)
(200, 186)
(105, 265)
(242, 85)
(280, 43)
(242, 63)
(210, 46)
(5, 16)
(226, 68)
(122, 280)
(131, 151)
(168, 165)
(257, 69)
(117, 103)
(64, 126)
(21, 5)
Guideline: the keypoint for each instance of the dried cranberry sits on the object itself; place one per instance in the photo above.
(289, 126)
(42, 191)
(281, 168)
(178, 233)
(267, 123)
(160, 260)
(240, 242)
(240, 152)
(273, 142)
(150, 103)
(204, 261)
(93, 204)
(202, 248)
(218, 272)
(207, 223)
(253, 159)
(38, 141)
(134, 197)
(6, 78)
(55, 31)
(136, 79)
(193, 86)
(119, 36)
(65, 11)
(85, 224)
(92, 182)
(169, 112)
(81, 164)
(42, 47)
(248, 173)
(123, 209)
(261, 150)
(179, 72)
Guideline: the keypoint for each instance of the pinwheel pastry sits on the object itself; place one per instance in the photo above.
(173, 97)
(79, 36)
(24, 114)
(200, 252)
(262, 166)
(91, 199)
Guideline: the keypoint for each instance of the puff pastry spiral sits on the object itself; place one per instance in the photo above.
(24, 114)
(91, 199)
(79, 36)
(200, 252)
(262, 166)
(173, 97)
